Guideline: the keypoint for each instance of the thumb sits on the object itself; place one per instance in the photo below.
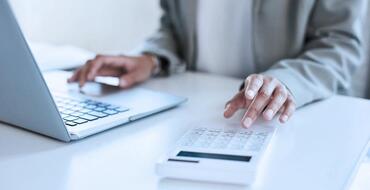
(128, 80)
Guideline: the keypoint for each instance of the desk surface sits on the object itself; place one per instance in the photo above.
(317, 149)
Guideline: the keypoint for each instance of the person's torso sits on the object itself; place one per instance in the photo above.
(278, 30)
(224, 39)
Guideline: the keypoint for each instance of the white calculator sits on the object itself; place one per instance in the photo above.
(227, 154)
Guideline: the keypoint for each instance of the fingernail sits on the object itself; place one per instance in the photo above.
(284, 118)
(227, 106)
(250, 94)
(269, 113)
(226, 111)
(247, 122)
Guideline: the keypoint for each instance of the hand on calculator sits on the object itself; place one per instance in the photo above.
(262, 95)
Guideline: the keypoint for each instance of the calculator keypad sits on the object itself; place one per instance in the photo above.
(224, 139)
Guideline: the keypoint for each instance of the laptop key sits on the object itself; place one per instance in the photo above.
(67, 106)
(110, 112)
(67, 112)
(88, 117)
(76, 114)
(90, 107)
(75, 108)
(121, 109)
(112, 107)
(83, 104)
(70, 118)
(100, 109)
(84, 111)
(80, 121)
(70, 123)
(91, 102)
(98, 114)
(103, 105)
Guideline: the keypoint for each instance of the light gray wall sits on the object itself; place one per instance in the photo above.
(97, 25)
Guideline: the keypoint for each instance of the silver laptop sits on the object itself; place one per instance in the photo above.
(47, 105)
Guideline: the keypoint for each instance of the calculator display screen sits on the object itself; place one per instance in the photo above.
(214, 156)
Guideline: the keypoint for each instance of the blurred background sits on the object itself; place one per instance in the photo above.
(95, 25)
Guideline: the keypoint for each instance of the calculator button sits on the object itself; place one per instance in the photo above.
(236, 146)
(219, 145)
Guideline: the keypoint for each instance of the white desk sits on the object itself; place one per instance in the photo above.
(315, 150)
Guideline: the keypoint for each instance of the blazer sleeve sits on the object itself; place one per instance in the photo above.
(164, 42)
(331, 54)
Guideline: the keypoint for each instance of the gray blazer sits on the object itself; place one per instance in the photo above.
(312, 46)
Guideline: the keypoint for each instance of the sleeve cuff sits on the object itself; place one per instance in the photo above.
(174, 64)
(300, 91)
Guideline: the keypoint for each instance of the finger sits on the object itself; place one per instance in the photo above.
(107, 61)
(75, 76)
(233, 105)
(254, 83)
(120, 61)
(288, 111)
(83, 73)
(281, 109)
(96, 65)
(277, 101)
(259, 103)
(236, 103)
(110, 71)
(128, 80)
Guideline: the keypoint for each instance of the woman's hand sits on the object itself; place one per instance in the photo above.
(130, 70)
(262, 95)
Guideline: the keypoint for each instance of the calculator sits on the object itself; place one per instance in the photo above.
(226, 154)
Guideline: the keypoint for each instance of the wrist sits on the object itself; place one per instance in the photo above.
(154, 63)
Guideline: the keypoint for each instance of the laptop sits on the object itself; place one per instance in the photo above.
(48, 106)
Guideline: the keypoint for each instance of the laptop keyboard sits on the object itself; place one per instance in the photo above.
(75, 112)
